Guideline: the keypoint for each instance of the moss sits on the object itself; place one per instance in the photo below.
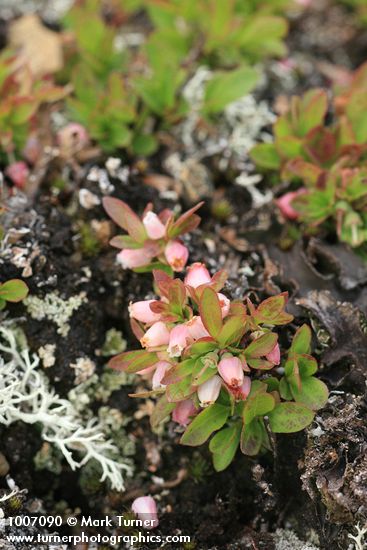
(89, 243)
(48, 458)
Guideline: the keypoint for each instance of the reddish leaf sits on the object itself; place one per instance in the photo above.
(261, 346)
(123, 216)
(162, 280)
(185, 223)
(320, 144)
(219, 280)
(133, 361)
(307, 172)
(177, 293)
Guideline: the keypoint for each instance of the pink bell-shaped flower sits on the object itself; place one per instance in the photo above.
(157, 335)
(197, 274)
(146, 510)
(176, 255)
(230, 369)
(208, 392)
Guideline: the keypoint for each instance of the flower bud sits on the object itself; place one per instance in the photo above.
(72, 138)
(176, 255)
(230, 369)
(208, 392)
(146, 510)
(153, 225)
(160, 370)
(240, 393)
(197, 274)
(141, 312)
(196, 328)
(274, 355)
(132, 258)
(179, 339)
(284, 204)
(18, 173)
(183, 412)
(157, 335)
(225, 304)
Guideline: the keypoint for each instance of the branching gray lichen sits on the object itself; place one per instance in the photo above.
(25, 395)
(285, 539)
(360, 539)
(54, 308)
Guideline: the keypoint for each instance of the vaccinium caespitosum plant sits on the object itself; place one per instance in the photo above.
(153, 241)
(20, 103)
(216, 365)
(329, 161)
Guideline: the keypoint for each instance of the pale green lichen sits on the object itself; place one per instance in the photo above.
(114, 343)
(55, 309)
(84, 368)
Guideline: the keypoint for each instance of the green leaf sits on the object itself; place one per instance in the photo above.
(313, 393)
(252, 437)
(312, 110)
(285, 390)
(179, 390)
(261, 364)
(289, 147)
(13, 290)
(262, 346)
(133, 361)
(124, 217)
(301, 342)
(258, 404)
(124, 241)
(226, 87)
(265, 155)
(271, 311)
(290, 417)
(307, 365)
(204, 424)
(232, 331)
(161, 411)
(210, 312)
(224, 446)
(202, 346)
(144, 145)
(202, 371)
(178, 372)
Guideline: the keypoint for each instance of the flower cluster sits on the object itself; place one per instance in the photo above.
(153, 241)
(217, 366)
